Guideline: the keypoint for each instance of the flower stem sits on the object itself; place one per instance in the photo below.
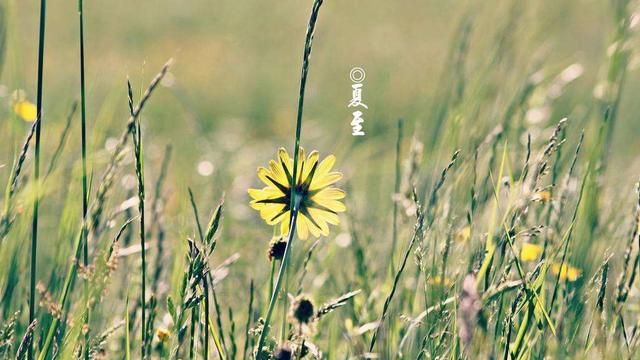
(271, 275)
(303, 82)
(279, 281)
(295, 198)
(285, 300)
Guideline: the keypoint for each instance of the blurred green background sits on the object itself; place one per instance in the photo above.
(230, 99)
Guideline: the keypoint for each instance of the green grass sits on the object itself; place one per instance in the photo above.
(137, 239)
(36, 172)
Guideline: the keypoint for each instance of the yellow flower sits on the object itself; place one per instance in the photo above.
(530, 252)
(438, 280)
(163, 334)
(319, 203)
(463, 234)
(567, 272)
(26, 110)
(542, 196)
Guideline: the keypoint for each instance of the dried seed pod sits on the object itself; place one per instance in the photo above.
(277, 247)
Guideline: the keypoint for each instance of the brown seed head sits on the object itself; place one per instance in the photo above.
(282, 353)
(302, 310)
(277, 247)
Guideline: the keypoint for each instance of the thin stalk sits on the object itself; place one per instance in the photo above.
(216, 305)
(522, 331)
(85, 195)
(206, 316)
(396, 190)
(205, 285)
(27, 339)
(285, 291)
(295, 199)
(127, 346)
(141, 196)
(106, 183)
(6, 218)
(139, 165)
(490, 245)
(196, 215)
(308, 44)
(279, 281)
(248, 325)
(271, 276)
(192, 340)
(72, 272)
(36, 206)
(304, 266)
(66, 288)
(216, 340)
(567, 239)
(418, 236)
(61, 143)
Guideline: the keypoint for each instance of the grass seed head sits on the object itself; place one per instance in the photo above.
(302, 310)
(277, 246)
(282, 353)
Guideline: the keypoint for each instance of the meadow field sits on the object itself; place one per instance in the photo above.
(182, 179)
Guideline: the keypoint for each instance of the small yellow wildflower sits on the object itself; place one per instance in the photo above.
(163, 334)
(530, 252)
(26, 110)
(567, 272)
(438, 280)
(463, 234)
(319, 203)
(542, 196)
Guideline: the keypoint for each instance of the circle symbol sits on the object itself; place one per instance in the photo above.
(357, 74)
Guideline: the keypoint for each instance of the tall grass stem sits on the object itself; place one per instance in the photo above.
(85, 195)
(36, 205)
(295, 199)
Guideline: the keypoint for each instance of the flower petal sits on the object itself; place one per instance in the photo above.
(320, 181)
(264, 193)
(329, 193)
(325, 216)
(272, 213)
(284, 225)
(268, 178)
(302, 227)
(26, 110)
(309, 165)
(325, 166)
(320, 219)
(301, 165)
(279, 217)
(286, 163)
(329, 205)
(278, 173)
(530, 252)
